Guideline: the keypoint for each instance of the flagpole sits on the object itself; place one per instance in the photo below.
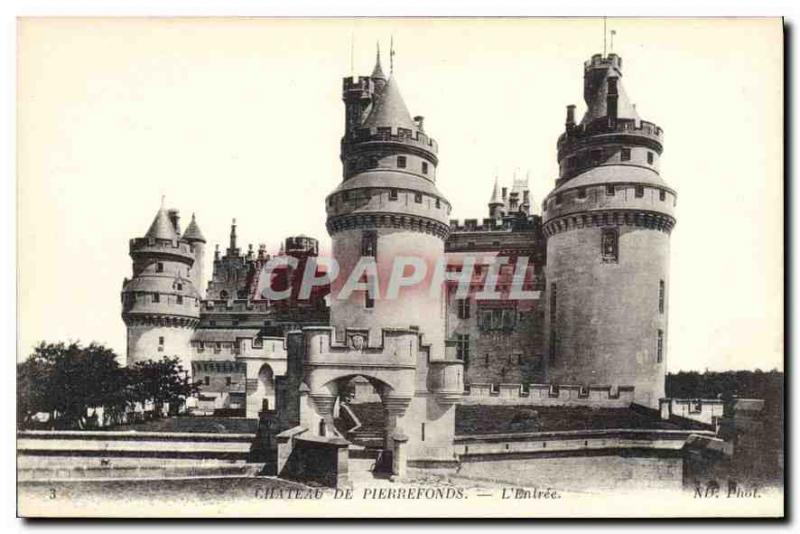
(605, 32)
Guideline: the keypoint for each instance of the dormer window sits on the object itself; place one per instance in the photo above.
(156, 297)
(159, 267)
(401, 162)
(625, 154)
(650, 158)
(639, 191)
(424, 167)
(418, 198)
(662, 195)
(582, 192)
(393, 194)
(179, 286)
(610, 190)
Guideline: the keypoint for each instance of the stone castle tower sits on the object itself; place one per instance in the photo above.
(386, 207)
(161, 303)
(607, 223)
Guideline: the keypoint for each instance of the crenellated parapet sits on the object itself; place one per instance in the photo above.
(605, 396)
(411, 222)
(604, 131)
(169, 321)
(149, 247)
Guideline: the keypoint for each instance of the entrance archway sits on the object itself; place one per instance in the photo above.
(266, 385)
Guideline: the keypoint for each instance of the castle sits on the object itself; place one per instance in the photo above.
(595, 271)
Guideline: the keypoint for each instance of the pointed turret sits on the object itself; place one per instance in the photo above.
(496, 203)
(390, 110)
(232, 249)
(192, 232)
(377, 72)
(162, 227)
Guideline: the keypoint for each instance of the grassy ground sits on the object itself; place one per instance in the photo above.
(473, 420)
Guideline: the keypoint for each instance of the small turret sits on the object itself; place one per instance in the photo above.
(496, 203)
(194, 237)
(378, 77)
(233, 250)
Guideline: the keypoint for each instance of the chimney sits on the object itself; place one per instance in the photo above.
(570, 116)
(611, 99)
(175, 219)
(419, 120)
(505, 194)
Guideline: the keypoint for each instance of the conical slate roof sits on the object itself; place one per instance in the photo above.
(192, 232)
(377, 72)
(496, 193)
(162, 227)
(390, 110)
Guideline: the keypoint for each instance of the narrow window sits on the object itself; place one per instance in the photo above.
(486, 360)
(369, 243)
(393, 194)
(156, 297)
(369, 302)
(650, 158)
(625, 154)
(159, 267)
(438, 203)
(582, 192)
(179, 286)
(462, 347)
(227, 381)
(639, 191)
(463, 308)
(401, 162)
(424, 167)
(422, 431)
(610, 245)
(180, 299)
(418, 198)
(558, 199)
(660, 349)
(662, 195)
(207, 380)
(661, 289)
(161, 341)
(610, 190)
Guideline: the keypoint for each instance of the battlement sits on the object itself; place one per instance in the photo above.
(142, 246)
(597, 61)
(577, 134)
(358, 84)
(387, 134)
(506, 224)
(549, 395)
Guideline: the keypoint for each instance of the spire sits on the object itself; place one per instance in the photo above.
(390, 110)
(232, 250)
(192, 232)
(496, 200)
(162, 227)
(377, 72)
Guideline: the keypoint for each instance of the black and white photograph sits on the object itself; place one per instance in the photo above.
(400, 267)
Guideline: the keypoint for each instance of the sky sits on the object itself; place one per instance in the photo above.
(241, 118)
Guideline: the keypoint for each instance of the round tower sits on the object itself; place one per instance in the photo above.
(607, 223)
(386, 207)
(160, 305)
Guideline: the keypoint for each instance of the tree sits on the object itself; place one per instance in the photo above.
(160, 382)
(67, 381)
